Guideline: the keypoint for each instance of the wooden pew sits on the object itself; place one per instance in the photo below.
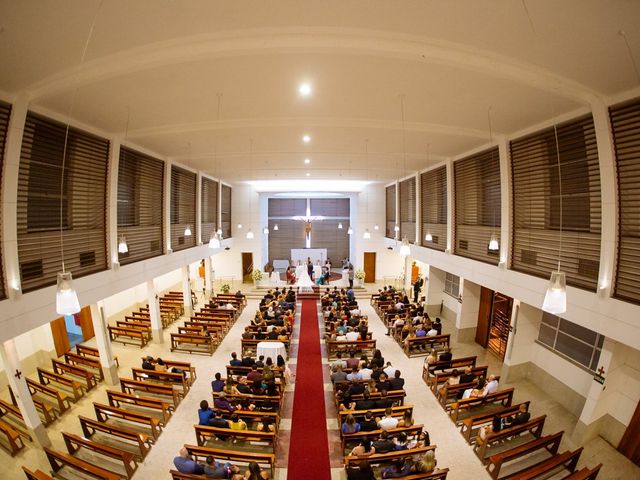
(584, 474)
(364, 346)
(263, 402)
(165, 320)
(87, 351)
(379, 459)
(128, 336)
(11, 415)
(253, 416)
(533, 426)
(437, 342)
(471, 425)
(205, 434)
(393, 395)
(242, 371)
(74, 371)
(122, 463)
(57, 399)
(460, 363)
(132, 441)
(550, 443)
(37, 475)
(65, 384)
(186, 367)
(133, 420)
(45, 411)
(59, 461)
(144, 327)
(92, 363)
(397, 412)
(177, 380)
(438, 380)
(413, 431)
(192, 343)
(462, 408)
(10, 438)
(264, 460)
(147, 405)
(165, 392)
(568, 460)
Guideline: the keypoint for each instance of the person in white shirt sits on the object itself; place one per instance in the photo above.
(399, 306)
(352, 335)
(432, 333)
(355, 375)
(490, 387)
(338, 361)
(388, 422)
(365, 373)
(390, 370)
(341, 338)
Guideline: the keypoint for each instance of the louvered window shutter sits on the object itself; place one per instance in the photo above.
(48, 213)
(5, 114)
(477, 205)
(625, 122)
(140, 204)
(209, 208)
(536, 203)
(225, 207)
(408, 209)
(183, 208)
(434, 208)
(390, 211)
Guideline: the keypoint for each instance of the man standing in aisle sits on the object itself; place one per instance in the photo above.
(351, 275)
(417, 286)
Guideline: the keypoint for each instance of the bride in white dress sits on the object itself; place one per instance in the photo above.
(302, 278)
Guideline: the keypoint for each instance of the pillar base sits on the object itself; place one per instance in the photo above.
(465, 335)
(111, 375)
(39, 436)
(157, 336)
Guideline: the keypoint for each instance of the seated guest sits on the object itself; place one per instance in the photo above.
(362, 472)
(401, 441)
(446, 355)
(205, 414)
(221, 403)
(363, 449)
(369, 423)
(254, 374)
(383, 383)
(437, 325)
(432, 358)
(213, 469)
(491, 386)
(426, 463)
(242, 387)
(390, 370)
(338, 376)
(388, 422)
(397, 469)
(352, 361)
(432, 333)
(160, 366)
(185, 464)
(237, 423)
(230, 388)
(454, 379)
(519, 418)
(420, 331)
(355, 375)
(365, 372)
(247, 361)
(339, 361)
(218, 384)
(366, 403)
(260, 362)
(235, 362)
(255, 473)
(266, 424)
(350, 425)
(396, 383)
(384, 444)
(406, 420)
(147, 363)
(352, 335)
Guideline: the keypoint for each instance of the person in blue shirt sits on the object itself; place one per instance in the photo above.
(205, 414)
(185, 464)
(421, 332)
(235, 362)
(218, 384)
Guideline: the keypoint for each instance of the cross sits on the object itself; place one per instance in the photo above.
(18, 374)
(601, 371)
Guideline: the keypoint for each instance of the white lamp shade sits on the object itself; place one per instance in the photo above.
(214, 241)
(275, 227)
(350, 231)
(249, 235)
(122, 245)
(376, 227)
(493, 243)
(340, 225)
(265, 230)
(187, 231)
(405, 250)
(428, 237)
(239, 226)
(367, 234)
(66, 297)
(396, 228)
(555, 300)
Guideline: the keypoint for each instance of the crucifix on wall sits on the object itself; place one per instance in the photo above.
(307, 219)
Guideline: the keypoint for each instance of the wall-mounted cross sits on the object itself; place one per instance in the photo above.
(18, 374)
(601, 371)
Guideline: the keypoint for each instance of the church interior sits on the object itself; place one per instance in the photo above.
(320, 240)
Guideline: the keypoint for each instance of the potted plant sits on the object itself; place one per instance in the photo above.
(256, 275)
(225, 288)
(359, 277)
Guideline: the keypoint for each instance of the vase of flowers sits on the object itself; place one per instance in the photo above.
(359, 277)
(225, 288)
(257, 276)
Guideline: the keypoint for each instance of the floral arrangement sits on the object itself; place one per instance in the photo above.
(256, 275)
(360, 274)
(225, 287)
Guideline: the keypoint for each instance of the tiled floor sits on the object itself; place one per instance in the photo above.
(452, 452)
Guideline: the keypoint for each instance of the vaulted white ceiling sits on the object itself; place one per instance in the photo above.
(165, 64)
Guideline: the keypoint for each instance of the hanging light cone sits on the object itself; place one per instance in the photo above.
(340, 225)
(214, 240)
(349, 231)
(275, 227)
(555, 300)
(376, 227)
(493, 243)
(265, 230)
(249, 235)
(396, 228)
(367, 234)
(187, 231)
(122, 245)
(428, 237)
(405, 250)
(219, 231)
(66, 296)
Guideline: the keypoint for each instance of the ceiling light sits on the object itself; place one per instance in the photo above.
(494, 246)
(66, 297)
(219, 231)
(249, 235)
(308, 174)
(396, 228)
(187, 231)
(306, 138)
(405, 250)
(555, 299)
(275, 227)
(350, 230)
(239, 226)
(367, 234)
(265, 230)
(340, 225)
(428, 237)
(122, 245)
(307, 161)
(304, 89)
(376, 227)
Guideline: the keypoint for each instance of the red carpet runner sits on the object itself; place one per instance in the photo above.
(309, 450)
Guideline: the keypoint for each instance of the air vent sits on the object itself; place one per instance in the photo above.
(31, 270)
(588, 268)
(463, 244)
(180, 240)
(530, 257)
(154, 246)
(87, 259)
(435, 239)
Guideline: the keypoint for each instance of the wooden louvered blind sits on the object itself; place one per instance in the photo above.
(536, 203)
(330, 207)
(408, 200)
(625, 122)
(209, 208)
(477, 205)
(290, 234)
(79, 210)
(225, 211)
(5, 114)
(287, 207)
(140, 204)
(325, 234)
(183, 208)
(433, 192)
(391, 211)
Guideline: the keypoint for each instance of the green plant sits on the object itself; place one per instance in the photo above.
(360, 274)
(256, 275)
(225, 287)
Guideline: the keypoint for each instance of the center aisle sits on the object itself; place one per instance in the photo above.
(309, 450)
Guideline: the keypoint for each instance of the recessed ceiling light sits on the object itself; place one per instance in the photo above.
(307, 161)
(308, 174)
(304, 89)
(306, 138)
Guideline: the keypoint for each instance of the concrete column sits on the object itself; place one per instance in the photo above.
(505, 201)
(467, 319)
(18, 383)
(208, 281)
(112, 201)
(419, 234)
(154, 312)
(186, 289)
(525, 324)
(107, 362)
(450, 206)
(166, 213)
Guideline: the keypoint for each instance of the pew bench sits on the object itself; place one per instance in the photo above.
(177, 380)
(66, 385)
(74, 372)
(467, 407)
(471, 425)
(129, 336)
(242, 371)
(11, 415)
(135, 421)
(348, 439)
(146, 405)
(48, 395)
(209, 436)
(45, 411)
(364, 347)
(37, 475)
(397, 412)
(515, 456)
(567, 460)
(62, 462)
(379, 460)
(134, 442)
(417, 346)
(266, 461)
(181, 342)
(439, 379)
(156, 390)
(121, 463)
(585, 473)
(482, 446)
(460, 363)
(186, 367)
(10, 438)
(262, 402)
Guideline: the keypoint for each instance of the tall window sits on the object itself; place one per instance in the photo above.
(452, 285)
(183, 208)
(46, 212)
(209, 208)
(433, 193)
(5, 114)
(537, 185)
(477, 205)
(390, 211)
(225, 211)
(140, 205)
(625, 122)
(408, 209)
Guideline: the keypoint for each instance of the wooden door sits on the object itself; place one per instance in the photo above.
(500, 324)
(484, 316)
(247, 267)
(86, 324)
(369, 267)
(630, 443)
(60, 337)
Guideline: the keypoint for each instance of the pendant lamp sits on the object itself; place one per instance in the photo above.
(367, 234)
(555, 300)
(405, 249)
(66, 297)
(428, 237)
(249, 235)
(122, 245)
(214, 240)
